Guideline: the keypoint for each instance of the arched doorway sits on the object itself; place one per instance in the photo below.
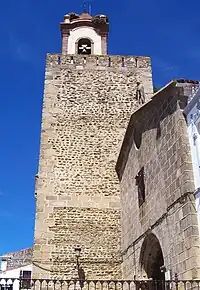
(84, 46)
(151, 260)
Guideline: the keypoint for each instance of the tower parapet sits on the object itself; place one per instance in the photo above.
(98, 62)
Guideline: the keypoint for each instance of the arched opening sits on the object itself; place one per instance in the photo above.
(151, 259)
(137, 135)
(84, 46)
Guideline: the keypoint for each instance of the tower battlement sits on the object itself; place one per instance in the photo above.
(98, 62)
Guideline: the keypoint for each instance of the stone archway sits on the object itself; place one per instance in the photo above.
(84, 46)
(151, 258)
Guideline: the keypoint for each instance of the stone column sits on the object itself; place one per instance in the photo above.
(104, 43)
(65, 36)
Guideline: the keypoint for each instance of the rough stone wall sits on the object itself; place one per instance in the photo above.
(169, 207)
(100, 230)
(87, 105)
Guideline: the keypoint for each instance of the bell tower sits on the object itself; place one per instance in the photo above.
(89, 97)
(84, 34)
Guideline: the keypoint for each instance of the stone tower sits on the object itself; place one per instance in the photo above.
(88, 100)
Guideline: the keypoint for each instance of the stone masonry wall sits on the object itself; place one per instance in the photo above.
(169, 208)
(88, 101)
(100, 230)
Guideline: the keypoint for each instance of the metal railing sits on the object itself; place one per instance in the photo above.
(48, 284)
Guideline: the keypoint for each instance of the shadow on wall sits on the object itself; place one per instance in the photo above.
(149, 117)
(151, 258)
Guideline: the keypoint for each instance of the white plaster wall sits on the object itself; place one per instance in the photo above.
(195, 152)
(84, 32)
(193, 119)
(14, 273)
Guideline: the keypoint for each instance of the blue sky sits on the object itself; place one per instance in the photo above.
(168, 31)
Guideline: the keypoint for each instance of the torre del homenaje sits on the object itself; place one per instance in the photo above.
(89, 97)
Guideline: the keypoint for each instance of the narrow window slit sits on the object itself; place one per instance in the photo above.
(122, 61)
(58, 59)
(72, 60)
(141, 186)
(97, 61)
(109, 62)
(136, 62)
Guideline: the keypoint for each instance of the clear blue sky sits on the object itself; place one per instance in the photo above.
(167, 30)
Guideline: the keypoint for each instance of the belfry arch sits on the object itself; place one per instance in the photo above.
(84, 46)
(151, 258)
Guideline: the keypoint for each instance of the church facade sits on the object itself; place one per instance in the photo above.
(89, 97)
(159, 215)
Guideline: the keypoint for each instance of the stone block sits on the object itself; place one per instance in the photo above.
(51, 197)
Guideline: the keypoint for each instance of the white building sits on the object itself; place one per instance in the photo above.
(16, 266)
(192, 113)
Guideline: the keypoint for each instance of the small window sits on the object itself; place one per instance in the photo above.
(141, 186)
(84, 46)
(158, 131)
(26, 279)
(137, 135)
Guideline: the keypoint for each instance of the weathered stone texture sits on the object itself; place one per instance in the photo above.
(85, 115)
(99, 232)
(88, 101)
(169, 207)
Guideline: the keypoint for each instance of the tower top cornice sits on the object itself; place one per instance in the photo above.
(74, 17)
